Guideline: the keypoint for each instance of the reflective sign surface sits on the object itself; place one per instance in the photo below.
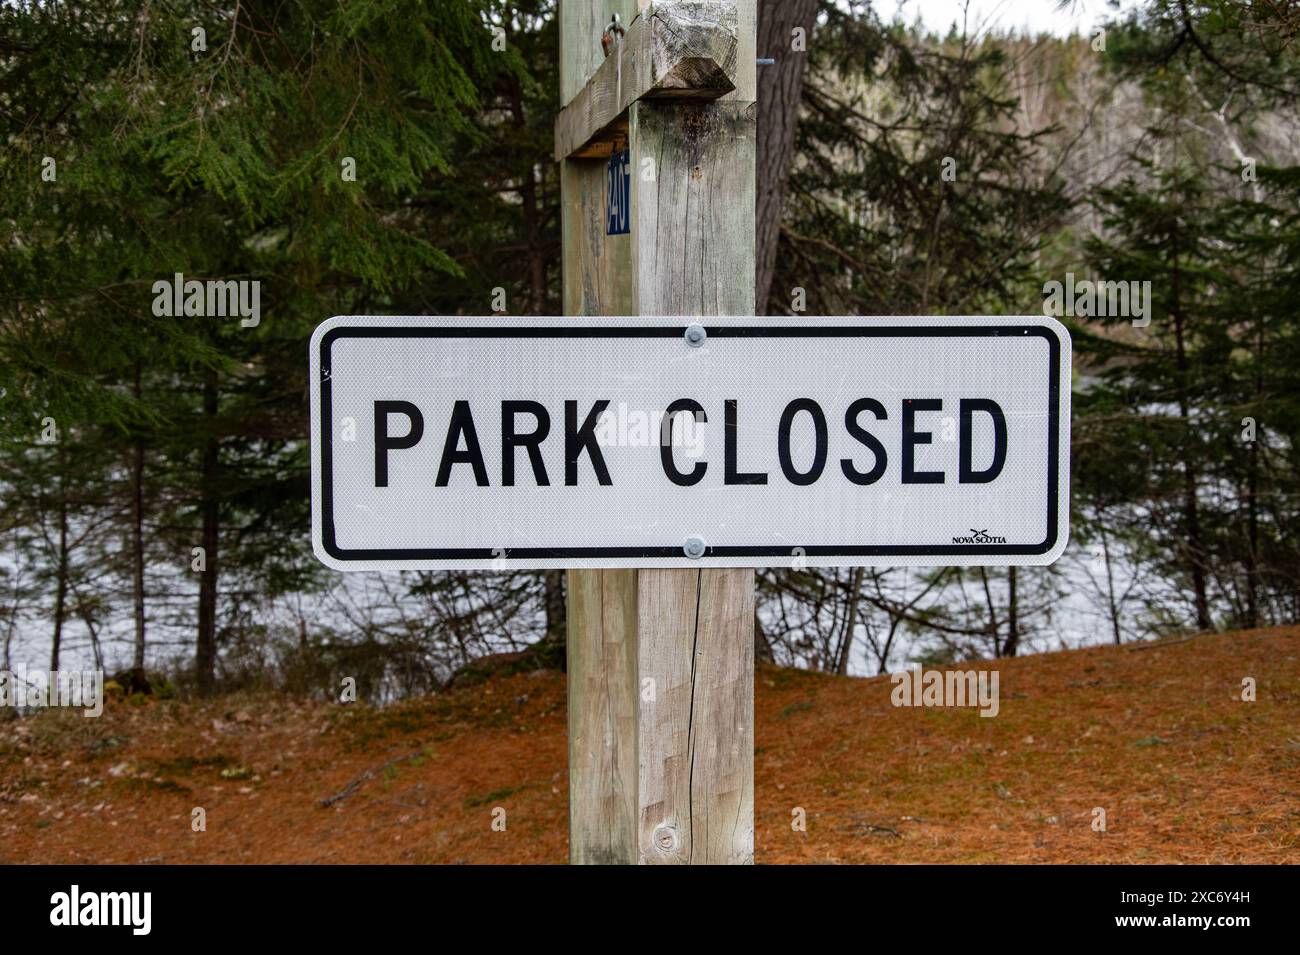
(493, 442)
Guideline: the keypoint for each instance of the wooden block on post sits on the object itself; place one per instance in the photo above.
(672, 51)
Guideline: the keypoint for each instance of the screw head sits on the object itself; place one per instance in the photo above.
(694, 547)
(695, 335)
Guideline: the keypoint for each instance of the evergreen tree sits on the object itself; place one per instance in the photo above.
(1183, 445)
(267, 143)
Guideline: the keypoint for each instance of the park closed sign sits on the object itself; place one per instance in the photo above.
(512, 443)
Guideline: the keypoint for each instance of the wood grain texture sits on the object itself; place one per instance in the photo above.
(746, 75)
(602, 667)
(596, 268)
(684, 50)
(661, 662)
(696, 737)
(693, 225)
(581, 24)
(780, 87)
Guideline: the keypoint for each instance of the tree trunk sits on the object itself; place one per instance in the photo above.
(1252, 543)
(137, 537)
(1191, 511)
(1196, 548)
(205, 652)
(894, 621)
(536, 301)
(762, 647)
(1110, 589)
(553, 597)
(850, 621)
(1252, 498)
(779, 88)
(994, 626)
(61, 593)
(1013, 620)
(91, 629)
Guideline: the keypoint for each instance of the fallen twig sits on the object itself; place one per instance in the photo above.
(1160, 643)
(863, 826)
(353, 786)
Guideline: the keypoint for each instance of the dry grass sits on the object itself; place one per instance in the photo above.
(1158, 737)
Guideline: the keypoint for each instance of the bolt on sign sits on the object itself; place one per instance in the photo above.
(457, 442)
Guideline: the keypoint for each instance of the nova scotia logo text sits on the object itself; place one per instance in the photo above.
(979, 537)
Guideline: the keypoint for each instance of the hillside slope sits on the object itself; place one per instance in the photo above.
(1157, 735)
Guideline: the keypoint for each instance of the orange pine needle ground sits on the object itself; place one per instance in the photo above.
(1158, 737)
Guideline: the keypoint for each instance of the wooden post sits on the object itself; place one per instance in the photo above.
(661, 662)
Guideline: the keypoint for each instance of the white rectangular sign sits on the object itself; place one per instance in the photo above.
(494, 442)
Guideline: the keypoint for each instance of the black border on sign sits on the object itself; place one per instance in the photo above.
(328, 537)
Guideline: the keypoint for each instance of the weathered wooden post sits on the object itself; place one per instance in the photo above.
(661, 662)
